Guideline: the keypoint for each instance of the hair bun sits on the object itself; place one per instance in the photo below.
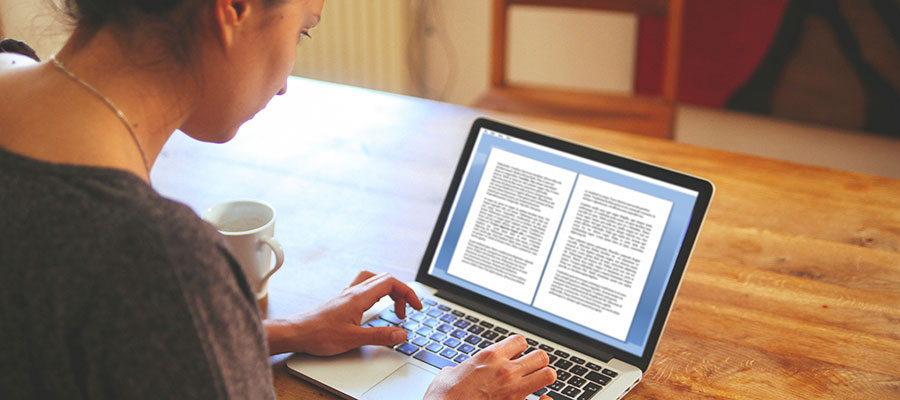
(10, 45)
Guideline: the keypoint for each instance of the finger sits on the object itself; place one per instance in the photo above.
(379, 286)
(400, 308)
(361, 277)
(408, 296)
(540, 378)
(380, 336)
(510, 347)
(533, 361)
(401, 302)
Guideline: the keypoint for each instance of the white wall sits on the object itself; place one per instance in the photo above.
(36, 23)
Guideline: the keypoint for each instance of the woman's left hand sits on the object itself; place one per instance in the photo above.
(334, 326)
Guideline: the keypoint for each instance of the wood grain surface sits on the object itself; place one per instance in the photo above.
(793, 291)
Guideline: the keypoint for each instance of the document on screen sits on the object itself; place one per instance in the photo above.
(567, 243)
(514, 214)
(605, 247)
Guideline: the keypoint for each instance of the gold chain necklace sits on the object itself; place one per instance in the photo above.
(59, 65)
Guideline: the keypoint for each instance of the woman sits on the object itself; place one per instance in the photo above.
(109, 290)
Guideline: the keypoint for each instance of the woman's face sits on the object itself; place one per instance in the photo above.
(245, 76)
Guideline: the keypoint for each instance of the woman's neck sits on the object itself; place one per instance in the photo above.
(50, 116)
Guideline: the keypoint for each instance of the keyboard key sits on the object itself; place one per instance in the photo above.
(571, 391)
(577, 381)
(418, 317)
(410, 325)
(472, 339)
(475, 329)
(486, 324)
(466, 348)
(452, 342)
(431, 323)
(424, 331)
(378, 322)
(438, 337)
(420, 341)
(430, 302)
(459, 334)
(546, 348)
(597, 378)
(563, 375)
(449, 353)
(531, 342)
(460, 358)
(561, 363)
(557, 396)
(578, 370)
(593, 366)
(434, 347)
(501, 329)
(448, 318)
(471, 318)
(501, 338)
(391, 317)
(590, 390)
(444, 328)
(540, 391)
(576, 360)
(457, 313)
(443, 307)
(529, 350)
(490, 335)
(462, 324)
(485, 343)
(558, 385)
(433, 359)
(407, 348)
(434, 313)
(610, 373)
(552, 358)
(561, 353)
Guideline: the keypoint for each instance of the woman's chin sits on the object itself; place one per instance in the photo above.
(212, 136)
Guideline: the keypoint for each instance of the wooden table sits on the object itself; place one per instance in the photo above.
(793, 290)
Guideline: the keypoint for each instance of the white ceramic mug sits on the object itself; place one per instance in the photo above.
(249, 227)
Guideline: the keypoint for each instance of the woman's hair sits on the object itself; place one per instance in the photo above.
(176, 24)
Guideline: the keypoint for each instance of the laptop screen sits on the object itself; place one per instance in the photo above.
(576, 242)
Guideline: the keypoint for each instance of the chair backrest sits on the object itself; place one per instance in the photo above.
(673, 10)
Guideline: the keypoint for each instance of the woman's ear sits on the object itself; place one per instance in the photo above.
(231, 16)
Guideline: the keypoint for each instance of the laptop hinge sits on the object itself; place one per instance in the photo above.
(533, 325)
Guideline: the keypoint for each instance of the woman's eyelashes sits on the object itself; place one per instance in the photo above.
(302, 34)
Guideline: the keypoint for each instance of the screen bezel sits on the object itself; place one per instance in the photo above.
(703, 187)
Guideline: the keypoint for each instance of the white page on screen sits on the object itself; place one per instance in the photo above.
(514, 216)
(602, 256)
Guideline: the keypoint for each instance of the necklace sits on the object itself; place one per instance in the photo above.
(60, 66)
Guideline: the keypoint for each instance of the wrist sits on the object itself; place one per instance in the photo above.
(284, 335)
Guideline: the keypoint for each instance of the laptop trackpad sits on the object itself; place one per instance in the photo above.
(407, 382)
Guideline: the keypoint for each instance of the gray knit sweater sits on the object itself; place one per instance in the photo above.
(109, 291)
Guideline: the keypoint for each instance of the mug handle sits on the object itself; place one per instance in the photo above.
(279, 259)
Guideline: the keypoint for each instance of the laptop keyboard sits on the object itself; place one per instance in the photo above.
(443, 337)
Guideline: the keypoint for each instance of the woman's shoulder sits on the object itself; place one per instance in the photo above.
(99, 215)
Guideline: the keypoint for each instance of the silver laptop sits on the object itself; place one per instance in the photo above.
(578, 250)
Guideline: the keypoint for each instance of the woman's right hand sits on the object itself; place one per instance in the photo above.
(495, 373)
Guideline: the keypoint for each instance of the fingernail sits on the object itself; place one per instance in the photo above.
(398, 336)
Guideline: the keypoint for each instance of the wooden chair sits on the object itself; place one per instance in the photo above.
(646, 115)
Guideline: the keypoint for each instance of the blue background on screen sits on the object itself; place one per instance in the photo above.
(670, 243)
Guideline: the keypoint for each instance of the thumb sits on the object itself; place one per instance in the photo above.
(382, 335)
